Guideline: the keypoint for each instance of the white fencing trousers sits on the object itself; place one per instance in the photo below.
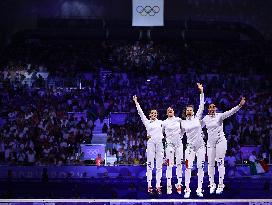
(154, 150)
(190, 154)
(172, 152)
(216, 152)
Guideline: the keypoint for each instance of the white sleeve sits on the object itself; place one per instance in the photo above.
(182, 130)
(202, 122)
(229, 113)
(141, 113)
(201, 106)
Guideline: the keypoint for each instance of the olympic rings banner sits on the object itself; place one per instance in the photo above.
(147, 13)
(92, 150)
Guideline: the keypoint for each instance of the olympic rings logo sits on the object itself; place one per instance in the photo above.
(92, 152)
(148, 10)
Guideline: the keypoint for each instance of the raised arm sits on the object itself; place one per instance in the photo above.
(140, 111)
(233, 110)
(201, 103)
(202, 122)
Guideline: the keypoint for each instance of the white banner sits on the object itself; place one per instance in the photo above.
(147, 12)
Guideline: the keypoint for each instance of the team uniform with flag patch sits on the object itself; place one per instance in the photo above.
(195, 147)
(154, 148)
(174, 149)
(217, 144)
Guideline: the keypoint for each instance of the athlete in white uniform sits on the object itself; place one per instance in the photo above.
(174, 148)
(154, 148)
(217, 143)
(195, 145)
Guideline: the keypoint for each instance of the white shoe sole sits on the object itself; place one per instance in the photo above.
(187, 196)
(212, 192)
(199, 194)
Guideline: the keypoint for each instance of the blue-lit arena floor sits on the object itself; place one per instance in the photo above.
(253, 187)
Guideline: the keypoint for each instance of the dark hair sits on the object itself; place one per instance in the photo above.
(192, 106)
(211, 105)
(172, 107)
(184, 111)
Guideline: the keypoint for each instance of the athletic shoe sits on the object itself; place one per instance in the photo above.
(212, 188)
(169, 189)
(179, 188)
(187, 193)
(220, 188)
(150, 190)
(199, 192)
(158, 189)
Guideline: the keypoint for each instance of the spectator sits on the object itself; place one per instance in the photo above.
(231, 163)
(98, 160)
(252, 161)
(38, 119)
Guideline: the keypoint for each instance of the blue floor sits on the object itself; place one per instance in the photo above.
(259, 187)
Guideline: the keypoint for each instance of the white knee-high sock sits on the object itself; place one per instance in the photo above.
(188, 177)
(200, 174)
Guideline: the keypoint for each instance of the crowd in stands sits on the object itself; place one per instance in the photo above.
(37, 129)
